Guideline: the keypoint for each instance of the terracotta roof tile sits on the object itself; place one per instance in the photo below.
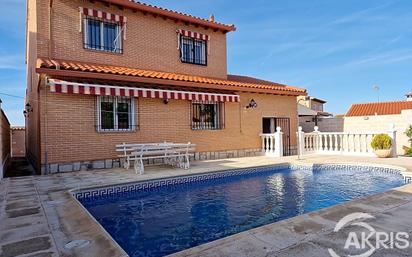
(237, 82)
(136, 5)
(383, 108)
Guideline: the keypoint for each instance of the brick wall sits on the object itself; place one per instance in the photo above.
(325, 124)
(151, 41)
(4, 143)
(18, 142)
(36, 44)
(69, 134)
(64, 125)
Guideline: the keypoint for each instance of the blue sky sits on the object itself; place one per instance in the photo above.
(338, 50)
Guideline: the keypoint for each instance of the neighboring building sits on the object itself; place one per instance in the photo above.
(4, 142)
(105, 72)
(311, 114)
(377, 117)
(18, 142)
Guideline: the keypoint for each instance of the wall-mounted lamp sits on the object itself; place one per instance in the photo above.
(27, 110)
(166, 101)
(252, 104)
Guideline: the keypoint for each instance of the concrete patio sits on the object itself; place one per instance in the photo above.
(38, 217)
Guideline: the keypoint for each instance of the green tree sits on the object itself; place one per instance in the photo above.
(408, 133)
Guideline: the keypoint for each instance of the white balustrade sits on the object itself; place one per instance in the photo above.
(341, 142)
(272, 144)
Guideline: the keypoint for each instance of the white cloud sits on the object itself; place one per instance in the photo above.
(362, 14)
(382, 58)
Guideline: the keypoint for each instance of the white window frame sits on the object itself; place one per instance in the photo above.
(118, 35)
(132, 115)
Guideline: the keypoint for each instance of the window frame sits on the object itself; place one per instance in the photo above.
(119, 34)
(132, 115)
(219, 116)
(193, 41)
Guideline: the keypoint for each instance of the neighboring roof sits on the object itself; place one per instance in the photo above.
(326, 114)
(318, 100)
(118, 73)
(247, 79)
(383, 108)
(155, 10)
(305, 111)
(339, 115)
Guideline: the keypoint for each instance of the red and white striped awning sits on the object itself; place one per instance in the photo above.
(192, 34)
(61, 86)
(103, 15)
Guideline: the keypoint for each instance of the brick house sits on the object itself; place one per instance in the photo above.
(100, 73)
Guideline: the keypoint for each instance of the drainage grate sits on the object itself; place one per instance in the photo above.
(77, 244)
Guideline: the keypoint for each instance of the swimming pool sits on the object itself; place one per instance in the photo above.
(161, 217)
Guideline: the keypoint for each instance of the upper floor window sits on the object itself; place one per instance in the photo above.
(115, 114)
(193, 50)
(102, 35)
(207, 115)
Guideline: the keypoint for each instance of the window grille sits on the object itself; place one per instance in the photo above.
(115, 114)
(102, 35)
(207, 115)
(193, 50)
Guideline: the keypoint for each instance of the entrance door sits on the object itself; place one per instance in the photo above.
(269, 125)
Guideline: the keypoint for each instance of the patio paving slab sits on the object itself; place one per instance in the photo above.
(41, 207)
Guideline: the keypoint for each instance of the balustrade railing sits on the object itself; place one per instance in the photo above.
(326, 142)
(339, 142)
(272, 144)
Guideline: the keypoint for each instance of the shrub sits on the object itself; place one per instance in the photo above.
(408, 133)
(381, 141)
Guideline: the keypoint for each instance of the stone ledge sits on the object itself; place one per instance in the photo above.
(116, 163)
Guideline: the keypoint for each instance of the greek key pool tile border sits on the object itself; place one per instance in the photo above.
(151, 184)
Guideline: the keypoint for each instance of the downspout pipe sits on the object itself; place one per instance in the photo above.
(46, 153)
(50, 29)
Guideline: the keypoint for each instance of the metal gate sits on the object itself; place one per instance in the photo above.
(269, 125)
(284, 124)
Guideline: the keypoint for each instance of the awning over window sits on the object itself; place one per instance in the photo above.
(104, 16)
(61, 86)
(192, 34)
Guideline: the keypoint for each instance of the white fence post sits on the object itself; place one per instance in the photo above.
(301, 141)
(278, 142)
(392, 135)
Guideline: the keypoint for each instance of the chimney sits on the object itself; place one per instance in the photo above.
(212, 18)
(409, 96)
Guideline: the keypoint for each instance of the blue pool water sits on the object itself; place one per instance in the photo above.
(168, 219)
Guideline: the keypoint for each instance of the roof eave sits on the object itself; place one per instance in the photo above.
(318, 100)
(170, 14)
(124, 78)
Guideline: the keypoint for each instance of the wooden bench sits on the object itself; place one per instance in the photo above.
(172, 154)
